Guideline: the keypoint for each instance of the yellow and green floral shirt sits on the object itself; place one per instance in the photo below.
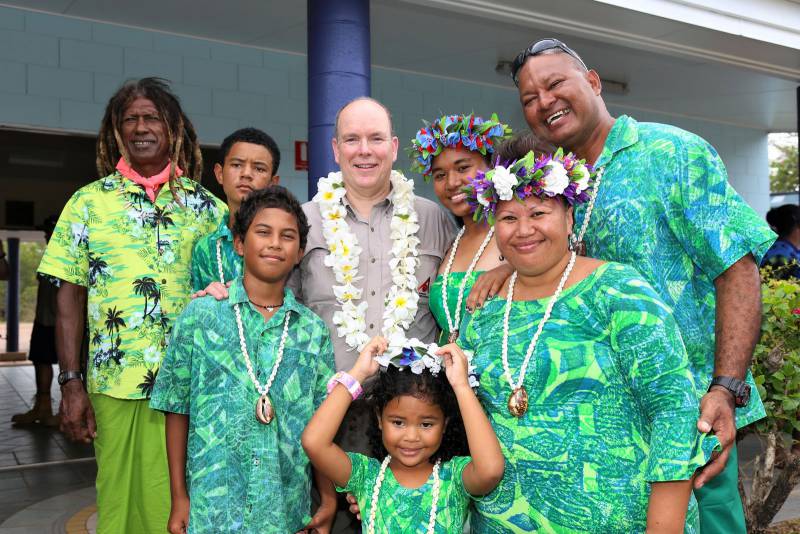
(134, 257)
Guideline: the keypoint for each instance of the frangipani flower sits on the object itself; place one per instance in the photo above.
(555, 179)
(504, 182)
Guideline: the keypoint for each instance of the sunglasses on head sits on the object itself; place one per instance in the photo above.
(537, 48)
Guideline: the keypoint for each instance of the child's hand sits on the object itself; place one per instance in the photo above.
(322, 522)
(179, 516)
(455, 365)
(366, 366)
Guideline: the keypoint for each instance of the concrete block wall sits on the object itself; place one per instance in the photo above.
(58, 72)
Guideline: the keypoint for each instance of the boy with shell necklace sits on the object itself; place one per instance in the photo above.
(241, 379)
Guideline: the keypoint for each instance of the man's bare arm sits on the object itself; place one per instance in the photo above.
(737, 328)
(77, 416)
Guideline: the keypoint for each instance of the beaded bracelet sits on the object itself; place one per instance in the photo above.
(347, 380)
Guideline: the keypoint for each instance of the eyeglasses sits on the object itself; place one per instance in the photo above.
(537, 48)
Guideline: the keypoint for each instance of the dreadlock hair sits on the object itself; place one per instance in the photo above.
(184, 148)
(394, 382)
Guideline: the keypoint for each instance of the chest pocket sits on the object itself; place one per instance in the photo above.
(316, 278)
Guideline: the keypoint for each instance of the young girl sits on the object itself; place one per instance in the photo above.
(418, 483)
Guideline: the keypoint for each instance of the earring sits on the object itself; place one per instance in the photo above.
(573, 240)
(502, 258)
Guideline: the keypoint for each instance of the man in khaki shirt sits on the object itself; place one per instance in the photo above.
(365, 150)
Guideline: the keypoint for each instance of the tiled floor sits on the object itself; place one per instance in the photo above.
(22, 482)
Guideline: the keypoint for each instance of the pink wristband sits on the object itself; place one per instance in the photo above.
(345, 379)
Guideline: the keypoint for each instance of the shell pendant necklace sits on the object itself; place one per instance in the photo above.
(265, 412)
(453, 324)
(518, 400)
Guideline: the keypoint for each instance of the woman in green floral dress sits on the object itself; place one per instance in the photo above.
(449, 151)
(583, 372)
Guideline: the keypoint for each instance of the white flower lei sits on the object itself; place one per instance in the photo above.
(344, 252)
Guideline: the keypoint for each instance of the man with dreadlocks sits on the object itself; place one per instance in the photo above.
(122, 248)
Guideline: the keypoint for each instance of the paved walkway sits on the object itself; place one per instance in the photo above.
(47, 482)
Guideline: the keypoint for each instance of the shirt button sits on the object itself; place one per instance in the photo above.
(256, 462)
(371, 326)
(372, 260)
(163, 280)
(371, 228)
(372, 293)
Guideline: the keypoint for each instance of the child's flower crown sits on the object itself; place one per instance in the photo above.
(418, 356)
(468, 131)
(545, 176)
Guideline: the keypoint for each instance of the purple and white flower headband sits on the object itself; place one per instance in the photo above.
(545, 176)
(417, 356)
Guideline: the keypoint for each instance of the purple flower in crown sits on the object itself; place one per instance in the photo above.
(409, 356)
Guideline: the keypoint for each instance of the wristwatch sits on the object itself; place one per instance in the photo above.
(66, 376)
(738, 388)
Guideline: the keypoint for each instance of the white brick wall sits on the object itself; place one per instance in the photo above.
(58, 72)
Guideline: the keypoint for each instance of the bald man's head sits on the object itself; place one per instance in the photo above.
(362, 99)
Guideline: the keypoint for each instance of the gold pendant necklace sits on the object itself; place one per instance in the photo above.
(518, 400)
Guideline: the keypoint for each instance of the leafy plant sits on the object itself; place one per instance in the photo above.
(776, 369)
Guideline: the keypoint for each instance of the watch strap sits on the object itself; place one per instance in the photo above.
(66, 376)
(738, 388)
(347, 380)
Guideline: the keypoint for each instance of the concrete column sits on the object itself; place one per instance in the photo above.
(338, 71)
(12, 296)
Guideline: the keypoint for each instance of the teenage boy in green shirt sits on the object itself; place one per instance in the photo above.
(250, 161)
(257, 351)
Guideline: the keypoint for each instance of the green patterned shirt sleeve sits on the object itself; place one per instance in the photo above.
(172, 389)
(325, 370)
(67, 254)
(648, 347)
(714, 224)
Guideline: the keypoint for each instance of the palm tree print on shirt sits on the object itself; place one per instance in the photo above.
(147, 287)
(97, 267)
(111, 350)
(146, 387)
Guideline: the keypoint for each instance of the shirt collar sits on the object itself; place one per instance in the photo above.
(238, 295)
(116, 181)
(222, 230)
(382, 204)
(624, 133)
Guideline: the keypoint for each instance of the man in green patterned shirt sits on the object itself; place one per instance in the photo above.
(249, 161)
(123, 246)
(664, 206)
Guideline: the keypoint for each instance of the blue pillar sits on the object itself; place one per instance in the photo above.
(338, 71)
(12, 296)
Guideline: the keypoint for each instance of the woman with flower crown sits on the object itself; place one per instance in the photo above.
(582, 369)
(449, 151)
